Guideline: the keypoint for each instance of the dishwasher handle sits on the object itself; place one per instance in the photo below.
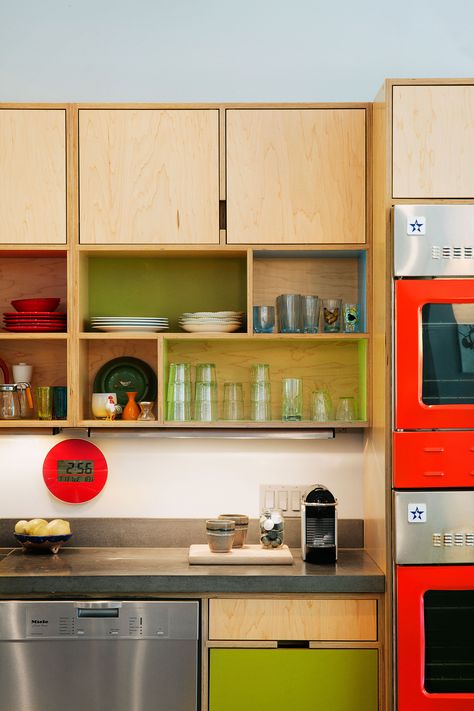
(96, 612)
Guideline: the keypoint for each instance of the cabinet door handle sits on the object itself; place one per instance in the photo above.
(433, 473)
(433, 449)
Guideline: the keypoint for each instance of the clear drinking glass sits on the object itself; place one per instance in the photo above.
(351, 317)
(260, 402)
(346, 409)
(44, 402)
(321, 406)
(179, 373)
(263, 319)
(233, 404)
(289, 313)
(260, 373)
(332, 315)
(292, 399)
(310, 312)
(205, 402)
(205, 373)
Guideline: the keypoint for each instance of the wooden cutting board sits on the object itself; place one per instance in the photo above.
(200, 554)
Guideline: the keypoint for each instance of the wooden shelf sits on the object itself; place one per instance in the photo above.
(33, 336)
(9, 424)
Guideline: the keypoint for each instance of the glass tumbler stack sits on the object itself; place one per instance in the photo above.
(260, 393)
(178, 400)
(205, 399)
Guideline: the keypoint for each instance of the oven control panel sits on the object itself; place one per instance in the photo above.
(434, 527)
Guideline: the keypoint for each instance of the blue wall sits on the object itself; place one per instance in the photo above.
(217, 50)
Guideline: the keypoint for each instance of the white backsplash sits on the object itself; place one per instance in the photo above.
(185, 478)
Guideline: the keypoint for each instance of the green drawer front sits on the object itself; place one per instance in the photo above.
(290, 679)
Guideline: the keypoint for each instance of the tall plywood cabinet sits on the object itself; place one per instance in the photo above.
(433, 140)
(33, 176)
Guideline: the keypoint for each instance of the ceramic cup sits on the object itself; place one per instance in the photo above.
(22, 373)
(99, 401)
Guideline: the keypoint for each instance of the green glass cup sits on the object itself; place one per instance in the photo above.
(44, 402)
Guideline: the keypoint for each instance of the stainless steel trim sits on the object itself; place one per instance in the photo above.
(211, 433)
(440, 529)
(441, 244)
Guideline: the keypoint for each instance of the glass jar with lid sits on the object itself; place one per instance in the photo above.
(15, 401)
(272, 528)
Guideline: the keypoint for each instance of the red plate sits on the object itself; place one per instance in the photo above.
(28, 329)
(36, 314)
(75, 471)
(32, 322)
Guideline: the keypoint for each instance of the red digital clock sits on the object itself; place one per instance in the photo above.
(75, 471)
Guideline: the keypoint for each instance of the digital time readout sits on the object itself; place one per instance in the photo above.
(75, 470)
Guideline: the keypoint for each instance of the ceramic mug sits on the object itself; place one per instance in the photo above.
(99, 401)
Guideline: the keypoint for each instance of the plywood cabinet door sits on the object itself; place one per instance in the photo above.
(149, 176)
(342, 679)
(32, 176)
(433, 141)
(296, 176)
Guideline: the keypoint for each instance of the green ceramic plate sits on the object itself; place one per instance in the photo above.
(126, 374)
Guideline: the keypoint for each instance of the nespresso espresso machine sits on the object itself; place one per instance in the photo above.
(318, 526)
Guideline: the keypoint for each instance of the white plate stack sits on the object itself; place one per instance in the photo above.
(122, 324)
(211, 321)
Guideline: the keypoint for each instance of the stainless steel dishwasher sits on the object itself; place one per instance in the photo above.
(99, 656)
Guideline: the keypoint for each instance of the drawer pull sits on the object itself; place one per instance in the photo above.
(433, 473)
(433, 449)
(471, 473)
(293, 644)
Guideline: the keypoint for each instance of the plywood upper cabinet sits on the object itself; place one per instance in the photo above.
(149, 176)
(32, 176)
(433, 141)
(296, 176)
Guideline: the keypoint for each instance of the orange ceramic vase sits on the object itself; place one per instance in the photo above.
(131, 409)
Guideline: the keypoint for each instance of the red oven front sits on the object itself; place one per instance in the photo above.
(435, 638)
(434, 354)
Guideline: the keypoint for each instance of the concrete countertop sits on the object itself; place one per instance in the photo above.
(121, 572)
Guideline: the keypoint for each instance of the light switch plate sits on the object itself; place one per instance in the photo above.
(286, 497)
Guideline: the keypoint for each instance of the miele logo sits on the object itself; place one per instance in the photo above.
(39, 622)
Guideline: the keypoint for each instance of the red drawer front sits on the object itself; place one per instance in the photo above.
(433, 460)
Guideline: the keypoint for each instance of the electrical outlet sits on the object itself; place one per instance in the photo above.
(286, 497)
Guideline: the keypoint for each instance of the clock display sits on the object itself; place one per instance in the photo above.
(75, 470)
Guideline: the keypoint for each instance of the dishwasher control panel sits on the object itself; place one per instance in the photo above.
(127, 620)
